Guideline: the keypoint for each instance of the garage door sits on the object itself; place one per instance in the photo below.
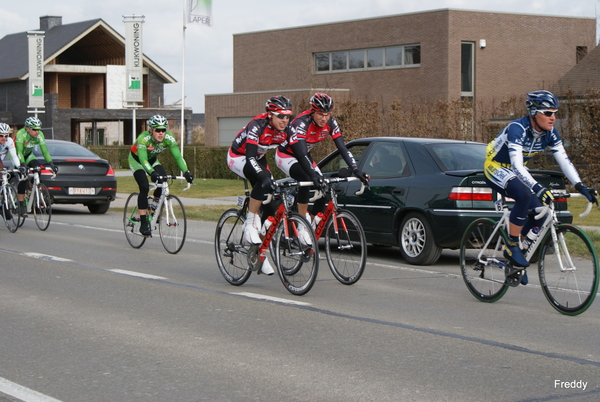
(229, 127)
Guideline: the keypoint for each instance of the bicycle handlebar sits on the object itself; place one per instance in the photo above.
(543, 210)
(330, 180)
(169, 177)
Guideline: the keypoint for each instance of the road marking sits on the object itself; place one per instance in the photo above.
(22, 393)
(46, 257)
(138, 274)
(269, 298)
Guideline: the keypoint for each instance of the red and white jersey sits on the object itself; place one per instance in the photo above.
(305, 129)
(260, 132)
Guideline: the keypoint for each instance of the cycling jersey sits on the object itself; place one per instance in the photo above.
(260, 133)
(515, 145)
(305, 130)
(146, 149)
(25, 144)
(9, 148)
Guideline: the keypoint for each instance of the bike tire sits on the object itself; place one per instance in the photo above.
(131, 222)
(42, 207)
(569, 291)
(346, 250)
(231, 249)
(297, 263)
(172, 224)
(26, 198)
(10, 208)
(485, 280)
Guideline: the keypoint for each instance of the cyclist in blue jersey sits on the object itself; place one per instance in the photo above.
(505, 169)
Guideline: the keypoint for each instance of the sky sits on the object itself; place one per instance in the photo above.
(208, 51)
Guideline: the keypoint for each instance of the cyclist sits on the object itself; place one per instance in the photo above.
(143, 159)
(27, 138)
(7, 146)
(505, 168)
(293, 155)
(246, 159)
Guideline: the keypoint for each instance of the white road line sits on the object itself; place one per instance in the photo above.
(138, 274)
(46, 257)
(22, 393)
(270, 298)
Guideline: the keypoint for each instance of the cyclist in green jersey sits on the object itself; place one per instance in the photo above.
(143, 159)
(28, 138)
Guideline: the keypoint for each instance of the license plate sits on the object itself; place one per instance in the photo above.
(82, 190)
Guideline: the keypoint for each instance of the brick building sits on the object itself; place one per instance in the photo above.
(84, 75)
(435, 55)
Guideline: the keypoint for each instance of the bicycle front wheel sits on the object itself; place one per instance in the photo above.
(346, 247)
(231, 249)
(10, 211)
(297, 260)
(131, 222)
(42, 207)
(482, 261)
(568, 270)
(172, 225)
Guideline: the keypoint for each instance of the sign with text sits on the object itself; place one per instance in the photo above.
(199, 12)
(134, 60)
(36, 68)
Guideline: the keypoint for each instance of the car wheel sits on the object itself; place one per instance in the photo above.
(99, 208)
(417, 244)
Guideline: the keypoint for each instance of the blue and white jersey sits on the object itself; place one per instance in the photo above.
(517, 143)
(9, 148)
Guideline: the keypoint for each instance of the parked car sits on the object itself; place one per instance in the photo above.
(423, 192)
(83, 177)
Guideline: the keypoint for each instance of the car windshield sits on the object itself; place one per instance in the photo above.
(462, 156)
(65, 149)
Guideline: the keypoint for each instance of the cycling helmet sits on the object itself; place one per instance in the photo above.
(321, 103)
(33, 122)
(158, 121)
(4, 128)
(279, 104)
(539, 101)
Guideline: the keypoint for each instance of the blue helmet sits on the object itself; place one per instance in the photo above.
(539, 101)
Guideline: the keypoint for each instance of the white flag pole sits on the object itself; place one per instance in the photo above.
(183, 77)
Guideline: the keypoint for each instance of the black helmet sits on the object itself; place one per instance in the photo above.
(279, 104)
(538, 101)
(321, 103)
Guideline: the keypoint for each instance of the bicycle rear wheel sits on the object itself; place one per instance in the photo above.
(231, 249)
(10, 211)
(42, 207)
(131, 222)
(569, 270)
(481, 266)
(346, 249)
(297, 263)
(172, 224)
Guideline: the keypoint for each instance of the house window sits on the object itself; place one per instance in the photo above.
(580, 53)
(466, 68)
(366, 59)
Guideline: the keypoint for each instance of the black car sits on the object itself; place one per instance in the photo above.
(423, 192)
(83, 177)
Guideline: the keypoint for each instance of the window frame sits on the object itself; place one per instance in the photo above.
(321, 56)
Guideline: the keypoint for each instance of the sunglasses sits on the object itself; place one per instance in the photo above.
(281, 115)
(549, 113)
(160, 130)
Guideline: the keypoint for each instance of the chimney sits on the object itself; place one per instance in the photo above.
(48, 22)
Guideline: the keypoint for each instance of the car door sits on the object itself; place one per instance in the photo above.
(387, 164)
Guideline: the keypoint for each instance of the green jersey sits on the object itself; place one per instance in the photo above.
(146, 149)
(25, 144)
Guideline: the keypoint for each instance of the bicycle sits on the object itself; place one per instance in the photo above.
(169, 216)
(567, 260)
(10, 203)
(297, 263)
(345, 241)
(37, 198)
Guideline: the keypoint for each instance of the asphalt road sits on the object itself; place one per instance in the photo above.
(84, 317)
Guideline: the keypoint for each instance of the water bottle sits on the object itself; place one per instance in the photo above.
(318, 218)
(267, 225)
(530, 237)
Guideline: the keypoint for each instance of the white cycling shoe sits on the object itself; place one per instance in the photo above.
(266, 268)
(304, 236)
(252, 228)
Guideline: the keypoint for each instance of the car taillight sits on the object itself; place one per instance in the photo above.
(471, 194)
(110, 172)
(46, 172)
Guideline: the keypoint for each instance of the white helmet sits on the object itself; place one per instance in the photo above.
(4, 128)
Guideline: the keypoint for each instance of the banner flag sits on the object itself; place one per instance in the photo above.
(36, 69)
(200, 12)
(134, 60)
